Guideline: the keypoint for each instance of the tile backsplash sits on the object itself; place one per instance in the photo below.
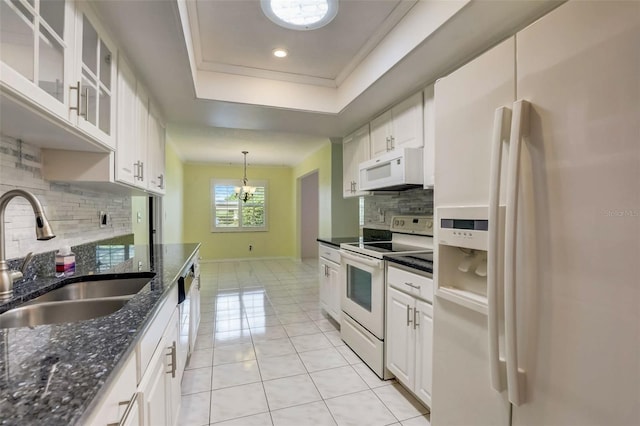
(73, 211)
(381, 207)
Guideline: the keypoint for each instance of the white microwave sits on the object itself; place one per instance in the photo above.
(395, 170)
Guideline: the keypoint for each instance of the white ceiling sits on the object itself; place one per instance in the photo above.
(315, 57)
(208, 65)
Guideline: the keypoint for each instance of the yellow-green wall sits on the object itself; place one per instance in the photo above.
(278, 241)
(173, 201)
(320, 161)
(140, 208)
(338, 217)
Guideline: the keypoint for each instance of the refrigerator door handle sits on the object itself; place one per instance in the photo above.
(519, 128)
(500, 136)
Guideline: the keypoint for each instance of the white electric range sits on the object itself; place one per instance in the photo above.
(363, 276)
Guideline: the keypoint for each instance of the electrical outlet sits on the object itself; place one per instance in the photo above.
(250, 247)
(103, 218)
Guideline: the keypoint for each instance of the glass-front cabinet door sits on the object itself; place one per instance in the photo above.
(94, 105)
(36, 51)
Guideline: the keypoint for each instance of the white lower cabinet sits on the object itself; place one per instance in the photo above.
(160, 386)
(194, 320)
(400, 336)
(330, 285)
(409, 335)
(147, 389)
(424, 352)
(121, 404)
(154, 394)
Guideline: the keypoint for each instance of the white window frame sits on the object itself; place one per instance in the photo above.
(239, 228)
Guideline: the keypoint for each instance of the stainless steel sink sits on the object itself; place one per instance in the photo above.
(93, 289)
(61, 312)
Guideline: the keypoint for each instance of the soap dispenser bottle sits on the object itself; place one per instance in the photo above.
(65, 262)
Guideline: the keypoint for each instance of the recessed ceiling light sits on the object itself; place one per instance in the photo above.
(300, 15)
(280, 53)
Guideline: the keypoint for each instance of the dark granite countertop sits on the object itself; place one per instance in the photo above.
(412, 262)
(55, 374)
(336, 241)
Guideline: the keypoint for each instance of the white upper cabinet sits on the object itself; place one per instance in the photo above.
(126, 140)
(399, 127)
(429, 137)
(57, 62)
(140, 135)
(355, 150)
(95, 78)
(37, 52)
(155, 151)
(381, 134)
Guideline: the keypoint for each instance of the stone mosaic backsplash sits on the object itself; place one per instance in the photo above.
(44, 264)
(381, 207)
(73, 211)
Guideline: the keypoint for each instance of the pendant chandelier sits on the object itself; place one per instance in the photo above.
(245, 191)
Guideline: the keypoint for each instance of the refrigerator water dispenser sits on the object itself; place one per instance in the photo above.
(463, 252)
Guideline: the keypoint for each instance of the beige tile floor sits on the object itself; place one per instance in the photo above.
(266, 355)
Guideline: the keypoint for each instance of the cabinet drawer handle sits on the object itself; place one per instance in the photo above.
(415, 318)
(412, 286)
(172, 354)
(141, 170)
(161, 179)
(129, 404)
(409, 316)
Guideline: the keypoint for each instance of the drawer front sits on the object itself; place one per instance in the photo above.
(329, 253)
(409, 282)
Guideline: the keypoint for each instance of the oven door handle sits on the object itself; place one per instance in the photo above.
(369, 261)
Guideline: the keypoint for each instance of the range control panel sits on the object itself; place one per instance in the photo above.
(419, 225)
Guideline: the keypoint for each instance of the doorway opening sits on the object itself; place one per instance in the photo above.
(309, 215)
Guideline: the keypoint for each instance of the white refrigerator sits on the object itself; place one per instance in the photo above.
(540, 138)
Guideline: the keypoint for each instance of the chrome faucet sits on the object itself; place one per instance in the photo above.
(43, 232)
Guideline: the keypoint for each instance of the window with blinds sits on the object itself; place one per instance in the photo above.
(230, 214)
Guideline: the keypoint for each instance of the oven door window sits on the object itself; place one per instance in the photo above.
(359, 287)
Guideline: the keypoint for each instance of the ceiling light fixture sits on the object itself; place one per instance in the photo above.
(245, 191)
(280, 53)
(301, 15)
